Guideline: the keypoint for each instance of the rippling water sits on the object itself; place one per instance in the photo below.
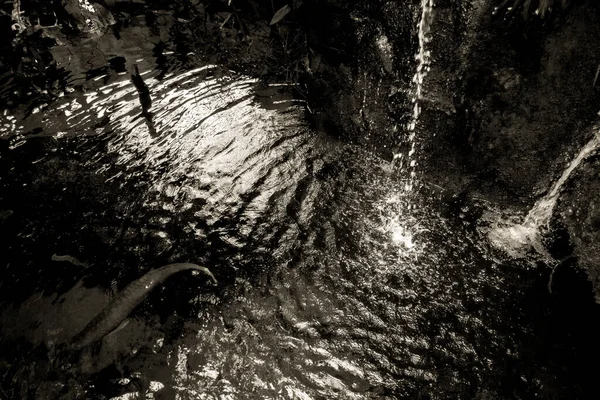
(334, 283)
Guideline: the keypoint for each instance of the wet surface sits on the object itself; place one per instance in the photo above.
(333, 282)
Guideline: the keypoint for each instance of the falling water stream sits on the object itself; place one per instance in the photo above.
(517, 239)
(323, 292)
(402, 233)
(423, 60)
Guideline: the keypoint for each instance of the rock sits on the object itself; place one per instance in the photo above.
(523, 104)
(361, 66)
(579, 210)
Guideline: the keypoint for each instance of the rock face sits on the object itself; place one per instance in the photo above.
(528, 98)
(361, 65)
(580, 213)
(507, 103)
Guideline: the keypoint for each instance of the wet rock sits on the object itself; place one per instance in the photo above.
(526, 103)
(522, 101)
(360, 69)
(503, 100)
(55, 390)
(579, 209)
(49, 390)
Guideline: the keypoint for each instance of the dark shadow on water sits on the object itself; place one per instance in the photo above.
(566, 327)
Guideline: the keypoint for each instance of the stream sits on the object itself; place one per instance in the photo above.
(334, 281)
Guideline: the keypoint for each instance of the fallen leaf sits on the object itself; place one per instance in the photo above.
(280, 14)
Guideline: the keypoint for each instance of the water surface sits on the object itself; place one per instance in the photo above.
(334, 282)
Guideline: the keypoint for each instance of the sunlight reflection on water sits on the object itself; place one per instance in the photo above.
(361, 290)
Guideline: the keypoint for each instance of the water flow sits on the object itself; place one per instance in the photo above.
(402, 233)
(423, 61)
(516, 239)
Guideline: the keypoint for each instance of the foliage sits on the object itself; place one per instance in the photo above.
(261, 38)
(27, 68)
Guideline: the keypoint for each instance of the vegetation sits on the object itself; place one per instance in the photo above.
(260, 38)
(27, 69)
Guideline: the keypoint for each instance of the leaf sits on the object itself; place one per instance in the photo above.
(280, 14)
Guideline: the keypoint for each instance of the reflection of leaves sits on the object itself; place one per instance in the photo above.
(280, 14)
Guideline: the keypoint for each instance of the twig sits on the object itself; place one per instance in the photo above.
(226, 20)
(596, 77)
(4, 395)
(554, 270)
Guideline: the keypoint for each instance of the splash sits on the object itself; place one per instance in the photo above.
(517, 238)
(423, 58)
(400, 224)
